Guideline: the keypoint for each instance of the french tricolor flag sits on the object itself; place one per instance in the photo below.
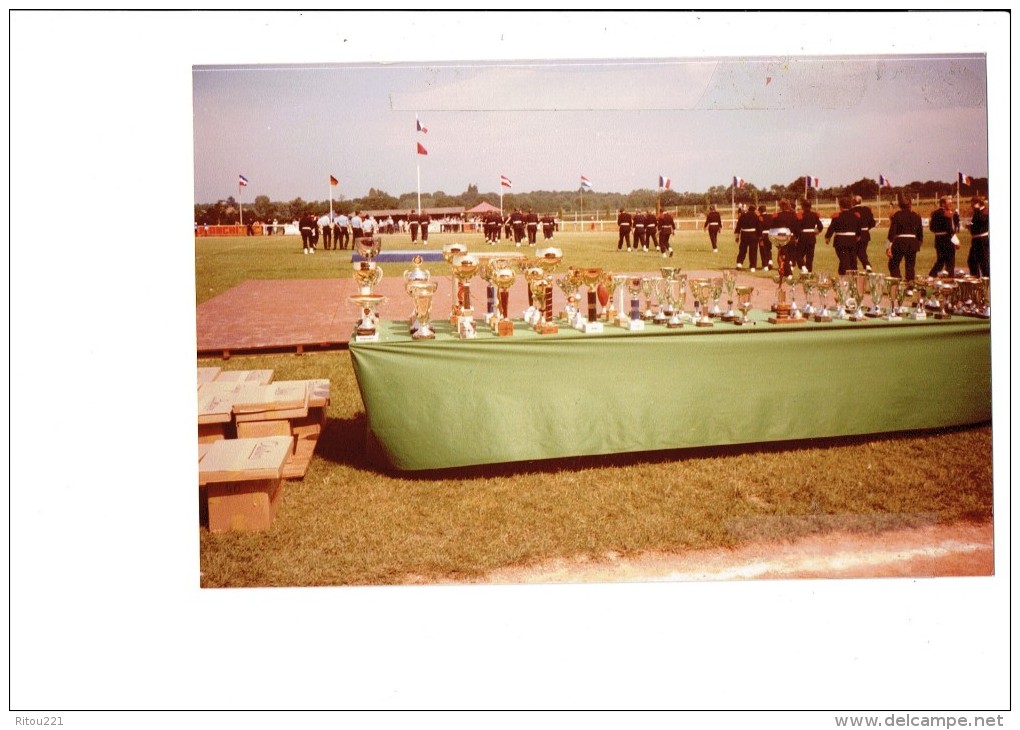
(884, 182)
(812, 182)
(739, 182)
(965, 179)
(665, 182)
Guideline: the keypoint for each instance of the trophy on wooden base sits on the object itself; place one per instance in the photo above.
(450, 252)
(367, 274)
(729, 284)
(415, 275)
(634, 287)
(744, 303)
(544, 326)
(894, 285)
(464, 267)
(611, 283)
(783, 308)
(591, 277)
(503, 278)
(855, 295)
(823, 283)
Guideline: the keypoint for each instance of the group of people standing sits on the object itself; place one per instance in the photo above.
(520, 226)
(906, 233)
(650, 231)
(751, 232)
(342, 231)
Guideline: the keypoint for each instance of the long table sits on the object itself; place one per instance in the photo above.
(450, 403)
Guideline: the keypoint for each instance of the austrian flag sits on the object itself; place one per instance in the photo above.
(505, 181)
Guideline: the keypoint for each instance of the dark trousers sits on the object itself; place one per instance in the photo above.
(979, 257)
(414, 232)
(945, 253)
(639, 237)
(905, 250)
(327, 237)
(713, 235)
(765, 245)
(846, 252)
(624, 237)
(862, 249)
(518, 233)
(343, 237)
(664, 234)
(807, 250)
(532, 233)
(748, 245)
(306, 237)
(547, 231)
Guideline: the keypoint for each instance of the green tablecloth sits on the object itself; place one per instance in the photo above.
(449, 402)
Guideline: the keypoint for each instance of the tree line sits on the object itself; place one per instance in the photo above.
(567, 204)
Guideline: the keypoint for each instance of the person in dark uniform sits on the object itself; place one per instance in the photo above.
(765, 244)
(713, 224)
(531, 219)
(307, 224)
(424, 219)
(666, 228)
(906, 233)
(809, 226)
(747, 231)
(944, 222)
(413, 223)
(979, 258)
(623, 222)
(844, 228)
(867, 223)
(640, 242)
(517, 223)
(508, 231)
(787, 218)
(490, 224)
(548, 226)
(651, 231)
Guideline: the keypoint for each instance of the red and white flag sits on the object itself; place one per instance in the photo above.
(242, 180)
(585, 183)
(421, 129)
(422, 150)
(505, 181)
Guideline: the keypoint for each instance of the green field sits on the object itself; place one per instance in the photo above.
(347, 523)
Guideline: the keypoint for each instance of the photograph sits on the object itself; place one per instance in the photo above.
(542, 361)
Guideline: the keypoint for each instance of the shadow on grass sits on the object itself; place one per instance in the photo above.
(344, 440)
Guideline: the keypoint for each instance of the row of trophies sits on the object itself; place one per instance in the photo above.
(664, 295)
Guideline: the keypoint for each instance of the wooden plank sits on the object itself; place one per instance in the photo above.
(253, 377)
(245, 459)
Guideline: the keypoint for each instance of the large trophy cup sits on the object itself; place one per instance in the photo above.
(702, 290)
(718, 283)
(540, 288)
(808, 283)
(592, 277)
(661, 286)
(823, 283)
(570, 283)
(412, 276)
(729, 284)
(422, 293)
(783, 308)
(367, 273)
(610, 282)
(485, 271)
(876, 287)
(676, 292)
(549, 260)
(464, 267)
(744, 303)
(894, 285)
(450, 252)
(945, 290)
(503, 277)
(855, 295)
(841, 291)
(634, 287)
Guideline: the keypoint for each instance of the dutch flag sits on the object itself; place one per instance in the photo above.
(585, 183)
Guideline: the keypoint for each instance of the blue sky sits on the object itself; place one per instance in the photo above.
(620, 122)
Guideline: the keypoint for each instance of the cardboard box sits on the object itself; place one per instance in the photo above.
(251, 377)
(241, 482)
(207, 375)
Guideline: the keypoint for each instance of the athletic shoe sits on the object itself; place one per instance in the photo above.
(803, 269)
(671, 253)
(740, 266)
(752, 269)
(664, 256)
(306, 250)
(868, 269)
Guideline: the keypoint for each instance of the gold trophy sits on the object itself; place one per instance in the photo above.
(485, 271)
(450, 252)
(697, 286)
(465, 267)
(706, 290)
(619, 284)
(876, 287)
(808, 284)
(660, 287)
(744, 303)
(783, 308)
(503, 278)
(549, 260)
(610, 282)
(414, 276)
(536, 307)
(676, 292)
(855, 295)
(422, 293)
(541, 288)
(945, 290)
(647, 289)
(570, 283)
(367, 273)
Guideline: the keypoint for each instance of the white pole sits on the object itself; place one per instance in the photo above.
(419, 186)
(240, 205)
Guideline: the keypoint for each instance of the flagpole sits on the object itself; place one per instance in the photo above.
(331, 202)
(419, 186)
(240, 205)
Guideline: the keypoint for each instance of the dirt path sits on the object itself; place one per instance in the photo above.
(963, 549)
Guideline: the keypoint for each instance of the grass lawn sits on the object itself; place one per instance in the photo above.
(347, 523)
